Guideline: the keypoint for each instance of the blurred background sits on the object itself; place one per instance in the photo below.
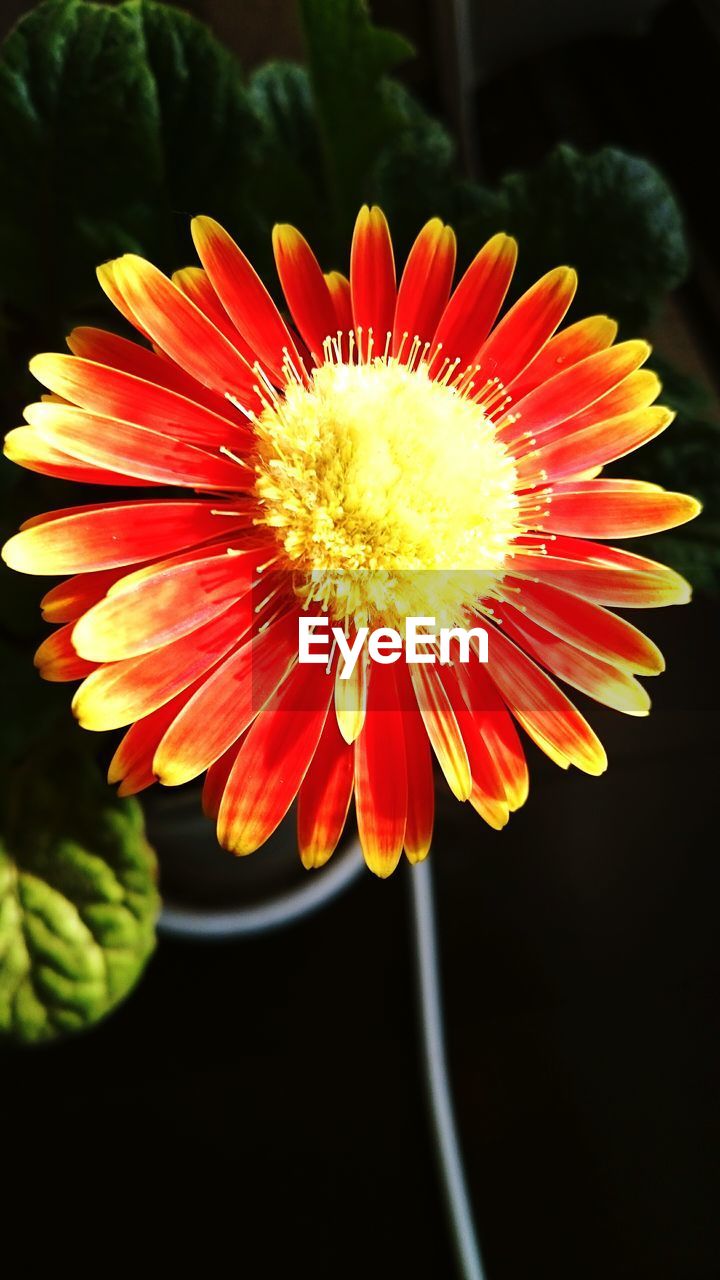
(260, 1104)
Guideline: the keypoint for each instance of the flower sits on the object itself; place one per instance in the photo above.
(391, 451)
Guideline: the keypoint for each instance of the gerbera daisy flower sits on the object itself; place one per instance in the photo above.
(385, 451)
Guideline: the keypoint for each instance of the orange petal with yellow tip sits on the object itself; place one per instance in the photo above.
(527, 326)
(227, 703)
(424, 287)
(598, 679)
(119, 692)
(372, 280)
(542, 709)
(196, 285)
(131, 765)
(27, 449)
(574, 451)
(244, 296)
(273, 760)
(571, 391)
(566, 348)
(305, 288)
(178, 327)
(107, 537)
(487, 794)
(442, 729)
(142, 614)
(351, 697)
(381, 785)
(56, 659)
(133, 450)
(66, 601)
(419, 768)
(216, 779)
(636, 391)
(116, 394)
(340, 296)
(498, 731)
(605, 575)
(474, 304)
(587, 626)
(324, 796)
(602, 509)
(119, 353)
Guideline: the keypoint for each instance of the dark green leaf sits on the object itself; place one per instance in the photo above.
(349, 59)
(78, 898)
(610, 215)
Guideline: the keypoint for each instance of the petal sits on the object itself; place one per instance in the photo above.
(596, 511)
(324, 797)
(605, 575)
(196, 285)
(27, 449)
(474, 305)
(66, 601)
(120, 533)
(527, 326)
(57, 660)
(487, 794)
(372, 280)
(119, 353)
(339, 288)
(244, 296)
(575, 388)
(381, 776)
(637, 391)
(273, 760)
(498, 731)
(178, 327)
(542, 709)
(351, 697)
(216, 779)
(305, 288)
(578, 450)
(442, 729)
(131, 765)
(599, 680)
(419, 768)
(141, 613)
(119, 692)
(588, 626)
(116, 394)
(571, 344)
(133, 450)
(424, 287)
(227, 703)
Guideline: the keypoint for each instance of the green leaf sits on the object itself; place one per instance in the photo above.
(610, 215)
(78, 898)
(349, 59)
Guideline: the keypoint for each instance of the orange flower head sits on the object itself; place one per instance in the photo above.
(389, 452)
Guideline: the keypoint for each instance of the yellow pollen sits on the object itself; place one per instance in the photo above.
(389, 492)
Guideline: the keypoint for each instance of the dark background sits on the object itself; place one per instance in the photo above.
(259, 1106)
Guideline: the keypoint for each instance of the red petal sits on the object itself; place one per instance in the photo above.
(324, 796)
(227, 703)
(575, 451)
(57, 660)
(244, 296)
(133, 450)
(27, 449)
(273, 760)
(575, 388)
(178, 327)
(153, 607)
(442, 729)
(424, 287)
(381, 776)
(527, 326)
(121, 533)
(474, 305)
(594, 510)
(372, 280)
(305, 288)
(575, 342)
(117, 394)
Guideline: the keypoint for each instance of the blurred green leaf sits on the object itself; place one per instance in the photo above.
(610, 215)
(78, 898)
(349, 59)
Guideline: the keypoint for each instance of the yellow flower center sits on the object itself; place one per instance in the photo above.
(390, 493)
